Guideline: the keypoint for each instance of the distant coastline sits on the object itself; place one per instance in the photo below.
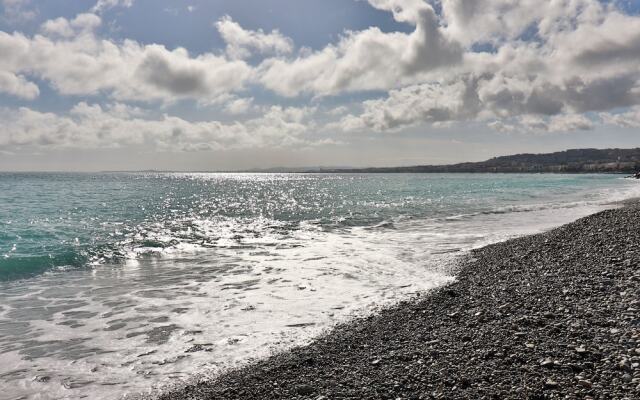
(570, 161)
(614, 161)
(617, 161)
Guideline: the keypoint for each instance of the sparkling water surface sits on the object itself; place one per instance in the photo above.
(114, 284)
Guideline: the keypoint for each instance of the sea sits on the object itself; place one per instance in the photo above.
(114, 285)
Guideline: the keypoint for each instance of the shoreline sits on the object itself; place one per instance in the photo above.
(549, 315)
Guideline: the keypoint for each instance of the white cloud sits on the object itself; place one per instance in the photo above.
(546, 65)
(411, 105)
(75, 61)
(116, 125)
(18, 11)
(340, 110)
(579, 56)
(496, 21)
(64, 28)
(167, 73)
(368, 59)
(543, 124)
(239, 106)
(241, 42)
(17, 85)
(103, 5)
(627, 119)
(569, 123)
(58, 26)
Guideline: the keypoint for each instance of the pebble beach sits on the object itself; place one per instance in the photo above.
(548, 316)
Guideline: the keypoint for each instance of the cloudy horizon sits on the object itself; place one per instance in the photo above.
(196, 85)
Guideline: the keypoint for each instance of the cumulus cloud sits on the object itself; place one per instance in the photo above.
(18, 86)
(537, 66)
(75, 61)
(103, 5)
(428, 47)
(627, 119)
(95, 126)
(17, 11)
(498, 21)
(64, 28)
(175, 73)
(569, 123)
(431, 102)
(242, 42)
(239, 106)
(547, 64)
(368, 59)
(543, 124)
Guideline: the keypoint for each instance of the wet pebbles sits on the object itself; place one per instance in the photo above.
(550, 316)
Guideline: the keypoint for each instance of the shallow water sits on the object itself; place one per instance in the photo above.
(114, 284)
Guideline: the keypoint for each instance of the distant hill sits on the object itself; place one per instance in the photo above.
(571, 161)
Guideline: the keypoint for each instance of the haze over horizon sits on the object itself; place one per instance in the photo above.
(197, 85)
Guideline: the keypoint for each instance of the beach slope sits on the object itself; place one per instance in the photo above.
(553, 315)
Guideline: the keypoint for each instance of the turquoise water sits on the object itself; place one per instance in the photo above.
(78, 220)
(108, 280)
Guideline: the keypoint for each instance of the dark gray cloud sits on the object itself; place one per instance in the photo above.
(585, 57)
(157, 69)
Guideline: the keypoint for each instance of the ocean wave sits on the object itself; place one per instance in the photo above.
(173, 235)
(20, 267)
(601, 198)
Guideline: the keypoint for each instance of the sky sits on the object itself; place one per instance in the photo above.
(196, 85)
